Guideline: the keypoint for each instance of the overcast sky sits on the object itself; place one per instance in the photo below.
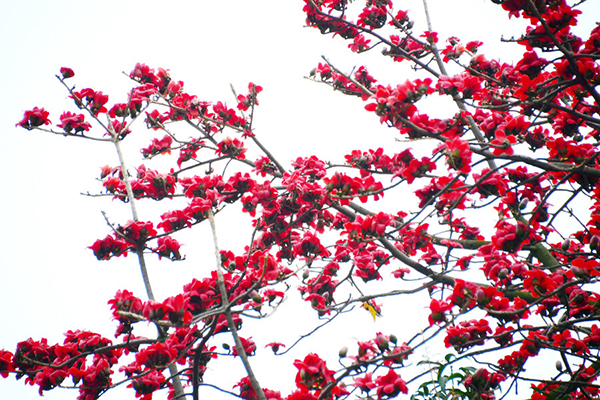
(50, 282)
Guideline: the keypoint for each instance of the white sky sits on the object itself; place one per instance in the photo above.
(50, 282)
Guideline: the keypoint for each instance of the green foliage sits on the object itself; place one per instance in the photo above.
(447, 385)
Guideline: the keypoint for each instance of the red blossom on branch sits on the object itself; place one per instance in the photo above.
(471, 219)
(34, 118)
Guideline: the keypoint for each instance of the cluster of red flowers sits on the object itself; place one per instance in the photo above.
(533, 265)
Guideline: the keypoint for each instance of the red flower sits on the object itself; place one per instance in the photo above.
(365, 383)
(275, 346)
(70, 121)
(464, 83)
(458, 155)
(309, 246)
(482, 381)
(120, 129)
(509, 237)
(438, 311)
(168, 247)
(227, 115)
(473, 46)
(34, 118)
(139, 96)
(154, 119)
(136, 232)
(490, 184)
(245, 101)
(313, 373)
(593, 339)
(6, 363)
(174, 220)
(233, 148)
(531, 65)
(359, 44)
(119, 110)
(582, 268)
(417, 169)
(177, 309)
(125, 301)
(301, 395)
(248, 345)
(264, 166)
(502, 144)
(400, 19)
(503, 336)
(147, 384)
(538, 282)
(432, 37)
(94, 100)
(467, 334)
(109, 247)
(157, 355)
(67, 72)
(158, 146)
(390, 385)
(373, 17)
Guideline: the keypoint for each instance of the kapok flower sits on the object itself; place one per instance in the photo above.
(67, 72)
(34, 118)
(232, 147)
(109, 247)
(503, 144)
(459, 155)
(275, 346)
(438, 311)
(70, 121)
(313, 373)
(168, 247)
(248, 345)
(390, 385)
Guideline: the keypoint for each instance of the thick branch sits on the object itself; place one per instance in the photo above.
(230, 322)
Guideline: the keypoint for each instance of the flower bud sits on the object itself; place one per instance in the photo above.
(480, 294)
(232, 266)
(256, 297)
(382, 342)
(566, 244)
(343, 352)
(579, 272)
(523, 204)
(521, 230)
(558, 366)
(393, 339)
(594, 241)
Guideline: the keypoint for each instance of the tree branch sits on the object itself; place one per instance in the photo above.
(230, 323)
